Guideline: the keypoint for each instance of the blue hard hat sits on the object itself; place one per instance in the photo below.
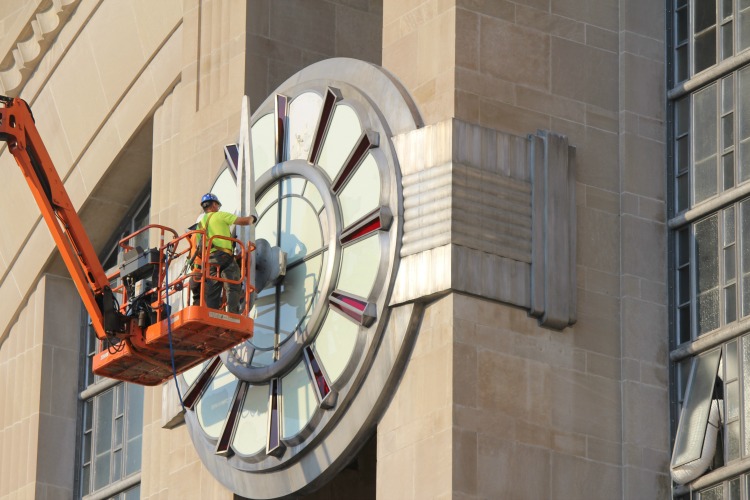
(209, 197)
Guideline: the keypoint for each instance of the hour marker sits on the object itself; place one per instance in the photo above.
(196, 390)
(281, 112)
(274, 445)
(379, 219)
(333, 95)
(354, 308)
(230, 425)
(326, 395)
(367, 140)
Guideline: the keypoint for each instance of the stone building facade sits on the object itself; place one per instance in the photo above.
(540, 367)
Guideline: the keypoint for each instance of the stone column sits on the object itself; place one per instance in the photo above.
(522, 384)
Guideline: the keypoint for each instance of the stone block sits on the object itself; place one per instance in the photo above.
(585, 404)
(433, 470)
(511, 119)
(543, 102)
(597, 240)
(499, 9)
(609, 452)
(467, 39)
(644, 248)
(600, 199)
(465, 457)
(512, 470)
(465, 374)
(514, 53)
(304, 24)
(603, 366)
(644, 324)
(643, 17)
(602, 38)
(358, 34)
(485, 86)
(584, 73)
(601, 282)
(644, 94)
(581, 478)
(643, 167)
(600, 13)
(554, 25)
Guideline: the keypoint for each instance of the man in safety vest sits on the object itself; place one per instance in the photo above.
(217, 223)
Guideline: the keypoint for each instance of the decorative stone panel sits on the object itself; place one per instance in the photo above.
(491, 214)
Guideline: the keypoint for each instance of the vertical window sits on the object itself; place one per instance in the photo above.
(720, 29)
(709, 207)
(110, 448)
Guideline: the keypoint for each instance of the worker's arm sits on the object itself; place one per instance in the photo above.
(245, 221)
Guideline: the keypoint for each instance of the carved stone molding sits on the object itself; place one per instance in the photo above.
(31, 43)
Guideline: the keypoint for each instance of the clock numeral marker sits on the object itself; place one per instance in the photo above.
(199, 386)
(281, 112)
(274, 446)
(379, 219)
(233, 418)
(326, 395)
(367, 140)
(356, 309)
(324, 121)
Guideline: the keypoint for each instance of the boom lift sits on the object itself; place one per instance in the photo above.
(137, 312)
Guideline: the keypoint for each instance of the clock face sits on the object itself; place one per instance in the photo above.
(327, 189)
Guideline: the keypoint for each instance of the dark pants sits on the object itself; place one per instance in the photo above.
(228, 269)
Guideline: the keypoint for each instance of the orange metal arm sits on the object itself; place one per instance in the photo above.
(18, 130)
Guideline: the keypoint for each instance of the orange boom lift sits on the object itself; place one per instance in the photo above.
(144, 340)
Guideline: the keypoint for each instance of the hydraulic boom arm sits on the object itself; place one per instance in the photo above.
(18, 130)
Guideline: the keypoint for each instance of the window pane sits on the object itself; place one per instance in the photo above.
(304, 112)
(135, 410)
(683, 277)
(708, 311)
(681, 25)
(358, 273)
(212, 410)
(691, 429)
(730, 304)
(683, 249)
(101, 471)
(361, 194)
(705, 50)
(681, 63)
(730, 361)
(715, 493)
(104, 404)
(744, 122)
(335, 344)
(744, 26)
(733, 441)
(682, 116)
(706, 253)
(299, 399)
(684, 326)
(264, 145)
(727, 126)
(734, 489)
(705, 145)
(133, 493)
(86, 480)
(340, 139)
(250, 436)
(746, 391)
(732, 400)
(133, 455)
(705, 14)
(727, 40)
(728, 170)
(117, 465)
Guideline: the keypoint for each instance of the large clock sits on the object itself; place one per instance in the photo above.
(285, 411)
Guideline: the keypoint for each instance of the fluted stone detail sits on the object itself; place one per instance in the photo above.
(32, 42)
(470, 224)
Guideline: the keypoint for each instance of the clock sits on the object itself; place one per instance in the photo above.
(286, 410)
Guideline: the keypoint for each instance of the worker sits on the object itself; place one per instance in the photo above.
(217, 223)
